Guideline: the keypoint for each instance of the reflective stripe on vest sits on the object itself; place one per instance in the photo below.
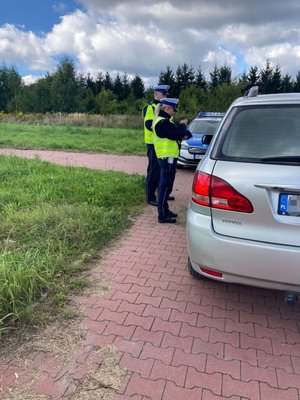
(148, 135)
(164, 147)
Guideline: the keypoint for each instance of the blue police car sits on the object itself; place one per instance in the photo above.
(193, 149)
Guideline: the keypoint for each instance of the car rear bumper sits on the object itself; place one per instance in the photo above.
(241, 261)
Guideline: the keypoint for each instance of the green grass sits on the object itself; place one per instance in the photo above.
(70, 138)
(53, 219)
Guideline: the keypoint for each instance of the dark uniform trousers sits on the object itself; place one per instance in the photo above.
(165, 186)
(153, 172)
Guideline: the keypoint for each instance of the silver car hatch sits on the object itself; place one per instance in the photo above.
(274, 192)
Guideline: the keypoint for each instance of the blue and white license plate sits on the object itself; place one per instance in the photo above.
(289, 204)
(197, 156)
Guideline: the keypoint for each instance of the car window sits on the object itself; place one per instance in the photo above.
(204, 126)
(260, 132)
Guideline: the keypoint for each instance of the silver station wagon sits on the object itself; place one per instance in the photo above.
(243, 220)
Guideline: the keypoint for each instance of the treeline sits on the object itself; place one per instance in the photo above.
(67, 91)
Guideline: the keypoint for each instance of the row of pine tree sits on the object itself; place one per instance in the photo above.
(67, 91)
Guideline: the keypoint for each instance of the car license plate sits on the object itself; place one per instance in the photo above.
(289, 204)
(197, 156)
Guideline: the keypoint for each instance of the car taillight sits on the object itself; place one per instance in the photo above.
(212, 191)
(201, 185)
(211, 272)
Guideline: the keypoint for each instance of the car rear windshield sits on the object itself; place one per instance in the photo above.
(207, 126)
(261, 134)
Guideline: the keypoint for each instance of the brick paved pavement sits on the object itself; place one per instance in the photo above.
(178, 338)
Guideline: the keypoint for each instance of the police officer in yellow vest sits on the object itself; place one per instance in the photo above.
(166, 138)
(153, 170)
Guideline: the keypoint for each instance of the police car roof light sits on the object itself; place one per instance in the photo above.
(203, 114)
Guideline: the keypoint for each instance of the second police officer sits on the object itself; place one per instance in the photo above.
(153, 171)
(166, 138)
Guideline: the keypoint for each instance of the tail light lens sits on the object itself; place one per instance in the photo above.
(212, 191)
(212, 272)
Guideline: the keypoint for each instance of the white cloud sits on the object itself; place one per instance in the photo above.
(30, 79)
(143, 38)
(17, 46)
(279, 54)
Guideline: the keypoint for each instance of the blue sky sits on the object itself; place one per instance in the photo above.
(38, 16)
(138, 37)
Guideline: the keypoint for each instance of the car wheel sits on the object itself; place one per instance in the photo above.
(192, 272)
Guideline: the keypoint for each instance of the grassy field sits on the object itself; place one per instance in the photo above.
(88, 139)
(76, 119)
(53, 220)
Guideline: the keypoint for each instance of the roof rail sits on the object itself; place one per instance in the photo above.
(252, 92)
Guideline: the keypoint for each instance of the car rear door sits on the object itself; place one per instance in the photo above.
(273, 190)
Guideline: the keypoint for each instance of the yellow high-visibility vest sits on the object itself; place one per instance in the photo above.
(164, 147)
(148, 135)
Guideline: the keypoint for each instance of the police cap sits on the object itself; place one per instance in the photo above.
(161, 88)
(168, 101)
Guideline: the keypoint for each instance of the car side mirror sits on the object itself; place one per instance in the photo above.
(206, 139)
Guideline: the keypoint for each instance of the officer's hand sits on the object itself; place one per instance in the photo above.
(188, 135)
(184, 121)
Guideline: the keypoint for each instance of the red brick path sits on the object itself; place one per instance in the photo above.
(179, 338)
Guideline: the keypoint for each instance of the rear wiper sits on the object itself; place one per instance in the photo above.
(293, 159)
